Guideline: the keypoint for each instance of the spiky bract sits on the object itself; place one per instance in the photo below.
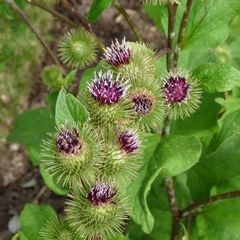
(71, 154)
(122, 157)
(118, 54)
(142, 63)
(106, 99)
(78, 48)
(97, 221)
(182, 94)
(57, 229)
(147, 103)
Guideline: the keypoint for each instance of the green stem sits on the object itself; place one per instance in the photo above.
(128, 19)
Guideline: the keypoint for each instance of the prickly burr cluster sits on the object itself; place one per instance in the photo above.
(97, 160)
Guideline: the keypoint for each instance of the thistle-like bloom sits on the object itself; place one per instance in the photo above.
(101, 193)
(182, 94)
(107, 90)
(129, 141)
(122, 157)
(118, 54)
(57, 228)
(106, 99)
(71, 154)
(78, 48)
(147, 104)
(97, 212)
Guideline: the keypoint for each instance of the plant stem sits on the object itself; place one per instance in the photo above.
(172, 10)
(24, 17)
(53, 12)
(182, 31)
(128, 19)
(83, 23)
(194, 208)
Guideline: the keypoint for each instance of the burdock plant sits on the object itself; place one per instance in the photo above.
(124, 134)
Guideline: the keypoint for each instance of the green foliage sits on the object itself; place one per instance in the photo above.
(33, 218)
(97, 7)
(69, 109)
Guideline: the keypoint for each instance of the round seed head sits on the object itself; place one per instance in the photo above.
(101, 193)
(118, 54)
(78, 48)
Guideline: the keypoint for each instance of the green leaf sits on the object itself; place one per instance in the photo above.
(33, 218)
(231, 104)
(177, 154)
(69, 109)
(217, 77)
(29, 130)
(85, 79)
(220, 220)
(141, 185)
(97, 7)
(50, 181)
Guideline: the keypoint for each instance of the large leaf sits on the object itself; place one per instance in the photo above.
(33, 218)
(29, 130)
(140, 186)
(177, 154)
(220, 220)
(69, 109)
(97, 7)
(217, 77)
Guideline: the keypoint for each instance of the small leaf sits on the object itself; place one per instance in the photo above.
(97, 7)
(69, 109)
(51, 182)
(33, 218)
(218, 77)
(85, 79)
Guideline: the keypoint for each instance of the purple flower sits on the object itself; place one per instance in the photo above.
(118, 54)
(68, 142)
(129, 141)
(176, 89)
(101, 193)
(107, 90)
(142, 103)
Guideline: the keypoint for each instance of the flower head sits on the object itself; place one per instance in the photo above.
(176, 89)
(68, 142)
(71, 154)
(129, 141)
(101, 193)
(181, 93)
(98, 211)
(155, 2)
(118, 54)
(142, 103)
(107, 90)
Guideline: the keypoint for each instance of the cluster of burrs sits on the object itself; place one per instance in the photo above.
(98, 159)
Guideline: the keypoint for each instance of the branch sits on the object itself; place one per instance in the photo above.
(53, 12)
(128, 19)
(194, 208)
(24, 17)
(172, 10)
(182, 31)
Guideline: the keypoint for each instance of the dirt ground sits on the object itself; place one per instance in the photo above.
(20, 182)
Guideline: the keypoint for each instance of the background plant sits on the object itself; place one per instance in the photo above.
(198, 161)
